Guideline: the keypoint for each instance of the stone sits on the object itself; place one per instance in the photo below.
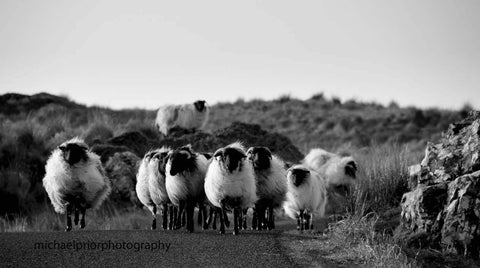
(122, 169)
(443, 206)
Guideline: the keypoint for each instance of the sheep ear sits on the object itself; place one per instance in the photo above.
(218, 153)
(250, 150)
(269, 153)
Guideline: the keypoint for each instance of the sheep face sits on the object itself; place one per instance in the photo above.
(351, 169)
(231, 158)
(200, 105)
(260, 157)
(181, 160)
(298, 176)
(162, 158)
(73, 153)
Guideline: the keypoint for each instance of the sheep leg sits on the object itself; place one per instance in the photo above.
(189, 211)
(307, 220)
(302, 220)
(244, 218)
(164, 216)
(69, 218)
(181, 208)
(222, 218)
(77, 212)
(236, 220)
(271, 218)
(203, 211)
(170, 217)
(311, 221)
(154, 220)
(225, 217)
(211, 212)
(184, 216)
(254, 218)
(261, 217)
(82, 220)
(215, 216)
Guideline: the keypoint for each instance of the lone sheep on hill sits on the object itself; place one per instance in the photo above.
(75, 180)
(191, 116)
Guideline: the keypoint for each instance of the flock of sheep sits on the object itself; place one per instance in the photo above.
(175, 181)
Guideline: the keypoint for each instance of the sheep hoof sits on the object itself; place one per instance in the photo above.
(236, 232)
(82, 224)
(68, 229)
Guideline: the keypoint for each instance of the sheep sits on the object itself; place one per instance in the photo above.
(306, 196)
(157, 188)
(230, 183)
(271, 179)
(338, 171)
(185, 178)
(189, 116)
(142, 186)
(75, 180)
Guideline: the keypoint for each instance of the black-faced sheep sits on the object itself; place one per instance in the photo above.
(230, 183)
(75, 180)
(156, 185)
(306, 196)
(142, 186)
(185, 178)
(338, 171)
(191, 116)
(271, 179)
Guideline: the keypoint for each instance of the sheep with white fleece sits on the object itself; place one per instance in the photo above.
(190, 116)
(306, 196)
(185, 178)
(271, 178)
(141, 188)
(157, 187)
(230, 183)
(338, 171)
(75, 180)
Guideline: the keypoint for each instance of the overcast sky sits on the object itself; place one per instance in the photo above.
(125, 54)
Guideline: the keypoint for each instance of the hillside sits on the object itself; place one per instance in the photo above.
(314, 122)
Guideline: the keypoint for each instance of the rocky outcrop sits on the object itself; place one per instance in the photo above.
(249, 134)
(443, 207)
(122, 169)
(121, 154)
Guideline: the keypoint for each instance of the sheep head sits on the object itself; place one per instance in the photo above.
(260, 157)
(297, 175)
(182, 159)
(161, 157)
(200, 105)
(74, 152)
(231, 157)
(351, 169)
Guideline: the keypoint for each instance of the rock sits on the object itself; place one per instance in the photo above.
(443, 208)
(122, 168)
(248, 134)
(254, 135)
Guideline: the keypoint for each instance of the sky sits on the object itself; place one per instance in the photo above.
(143, 54)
